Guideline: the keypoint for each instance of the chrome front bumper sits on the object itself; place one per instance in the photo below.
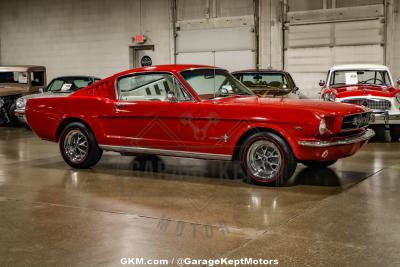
(385, 118)
(20, 114)
(369, 133)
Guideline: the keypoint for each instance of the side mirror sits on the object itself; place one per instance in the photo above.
(398, 82)
(172, 97)
(296, 89)
(322, 83)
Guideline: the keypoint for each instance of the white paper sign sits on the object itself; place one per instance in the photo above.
(66, 87)
(351, 78)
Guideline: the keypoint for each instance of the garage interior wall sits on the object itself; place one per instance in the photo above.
(271, 17)
(320, 34)
(216, 32)
(89, 37)
(393, 38)
(93, 36)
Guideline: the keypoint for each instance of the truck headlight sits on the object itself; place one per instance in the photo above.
(330, 97)
(21, 102)
(322, 126)
(398, 98)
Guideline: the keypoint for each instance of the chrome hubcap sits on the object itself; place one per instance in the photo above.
(76, 146)
(264, 160)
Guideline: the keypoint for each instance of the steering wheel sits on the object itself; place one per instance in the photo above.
(373, 79)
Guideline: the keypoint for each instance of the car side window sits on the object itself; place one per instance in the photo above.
(150, 87)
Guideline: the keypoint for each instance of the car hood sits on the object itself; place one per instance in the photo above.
(46, 94)
(8, 89)
(316, 106)
(365, 90)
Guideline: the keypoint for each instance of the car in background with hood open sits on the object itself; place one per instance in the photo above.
(58, 87)
(366, 85)
(15, 82)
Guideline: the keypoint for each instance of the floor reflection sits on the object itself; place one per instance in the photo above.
(328, 177)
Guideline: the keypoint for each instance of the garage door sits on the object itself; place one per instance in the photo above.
(311, 49)
(231, 48)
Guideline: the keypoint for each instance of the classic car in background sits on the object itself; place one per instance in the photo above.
(366, 85)
(269, 83)
(198, 112)
(58, 87)
(17, 81)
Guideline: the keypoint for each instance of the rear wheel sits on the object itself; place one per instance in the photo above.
(395, 132)
(267, 159)
(78, 146)
(318, 164)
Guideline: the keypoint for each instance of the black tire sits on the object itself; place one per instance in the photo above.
(318, 164)
(93, 152)
(14, 121)
(395, 133)
(281, 149)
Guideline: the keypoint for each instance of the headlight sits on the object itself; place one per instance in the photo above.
(322, 126)
(21, 102)
(330, 97)
(398, 97)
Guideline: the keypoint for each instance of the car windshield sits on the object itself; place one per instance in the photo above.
(212, 83)
(16, 77)
(68, 84)
(260, 80)
(354, 77)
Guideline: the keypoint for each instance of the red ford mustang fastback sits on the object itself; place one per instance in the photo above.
(198, 112)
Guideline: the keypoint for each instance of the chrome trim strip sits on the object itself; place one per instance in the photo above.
(165, 152)
(369, 133)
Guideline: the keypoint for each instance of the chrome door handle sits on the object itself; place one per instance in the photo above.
(118, 105)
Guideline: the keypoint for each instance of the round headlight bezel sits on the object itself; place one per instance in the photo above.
(322, 126)
(331, 97)
(398, 98)
(20, 103)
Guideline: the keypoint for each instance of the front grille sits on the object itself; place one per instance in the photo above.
(374, 104)
(356, 121)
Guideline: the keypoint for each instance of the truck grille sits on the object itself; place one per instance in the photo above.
(374, 104)
(356, 121)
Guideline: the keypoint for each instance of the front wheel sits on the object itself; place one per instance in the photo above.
(267, 159)
(318, 164)
(79, 147)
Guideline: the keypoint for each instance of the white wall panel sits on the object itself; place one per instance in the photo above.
(368, 54)
(235, 60)
(219, 39)
(229, 8)
(81, 37)
(359, 32)
(230, 60)
(201, 58)
(309, 35)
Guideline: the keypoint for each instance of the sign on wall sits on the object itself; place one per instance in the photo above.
(146, 61)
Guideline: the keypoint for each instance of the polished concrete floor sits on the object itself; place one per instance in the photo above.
(52, 215)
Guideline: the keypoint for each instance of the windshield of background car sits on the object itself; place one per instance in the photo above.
(15, 77)
(68, 84)
(276, 80)
(211, 83)
(354, 77)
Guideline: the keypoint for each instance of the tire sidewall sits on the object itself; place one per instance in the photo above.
(89, 137)
(287, 158)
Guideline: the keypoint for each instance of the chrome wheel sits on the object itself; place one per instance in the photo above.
(76, 146)
(264, 160)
